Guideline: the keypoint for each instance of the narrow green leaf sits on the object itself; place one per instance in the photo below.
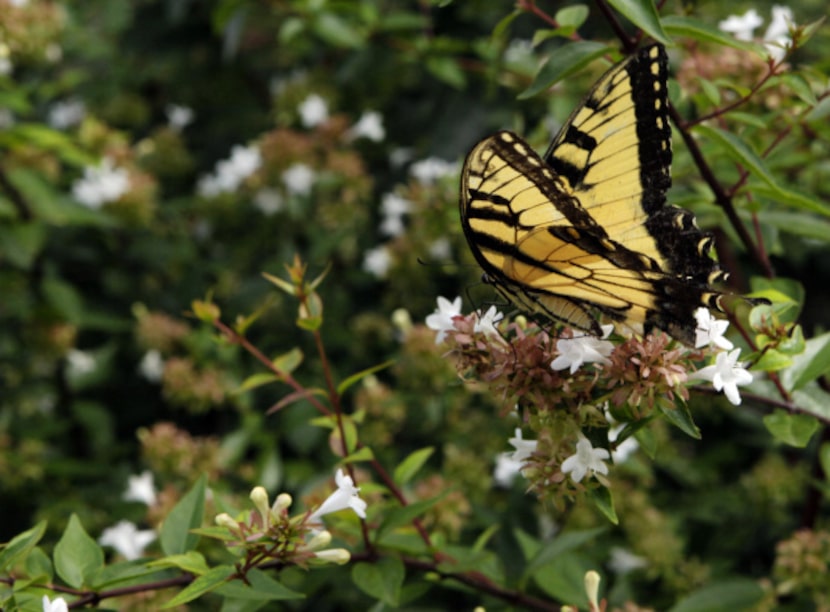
(643, 14)
(561, 544)
(793, 198)
(412, 464)
(77, 556)
(176, 538)
(337, 31)
(21, 243)
(357, 377)
(809, 365)
(284, 285)
(679, 416)
(205, 583)
(793, 429)
(772, 361)
(739, 151)
(260, 587)
(572, 16)
(564, 62)
(824, 460)
(605, 503)
(362, 454)
(680, 26)
(725, 596)
(796, 223)
(256, 380)
(381, 579)
(564, 578)
(192, 561)
(19, 546)
(447, 70)
(406, 514)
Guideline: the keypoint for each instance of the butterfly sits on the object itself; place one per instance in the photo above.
(585, 230)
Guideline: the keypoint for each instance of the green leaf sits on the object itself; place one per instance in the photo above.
(362, 454)
(796, 223)
(284, 285)
(64, 298)
(725, 596)
(357, 377)
(20, 545)
(809, 365)
(205, 583)
(561, 544)
(176, 538)
(39, 566)
(564, 579)
(406, 514)
(193, 562)
(679, 416)
(21, 243)
(793, 429)
(679, 26)
(446, 69)
(824, 460)
(260, 587)
(564, 62)
(501, 27)
(381, 579)
(77, 556)
(256, 380)
(786, 196)
(605, 503)
(338, 32)
(412, 464)
(772, 361)
(643, 14)
(572, 16)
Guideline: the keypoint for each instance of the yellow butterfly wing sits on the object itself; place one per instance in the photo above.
(586, 229)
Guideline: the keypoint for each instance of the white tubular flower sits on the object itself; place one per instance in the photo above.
(442, 319)
(486, 323)
(127, 539)
(101, 184)
(152, 366)
(741, 26)
(710, 330)
(524, 448)
(369, 126)
(346, 496)
(573, 352)
(586, 459)
(58, 605)
(377, 261)
(178, 116)
(727, 375)
(429, 170)
(298, 179)
(313, 111)
(140, 488)
(777, 37)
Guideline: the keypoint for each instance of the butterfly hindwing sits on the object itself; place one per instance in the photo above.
(586, 228)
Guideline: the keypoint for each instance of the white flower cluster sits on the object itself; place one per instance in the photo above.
(231, 172)
(777, 37)
(101, 184)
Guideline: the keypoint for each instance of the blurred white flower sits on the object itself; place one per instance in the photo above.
(623, 561)
(524, 448)
(6, 65)
(298, 179)
(429, 170)
(152, 366)
(442, 319)
(79, 363)
(727, 374)
(346, 496)
(231, 172)
(440, 248)
(6, 118)
(140, 488)
(573, 352)
(101, 184)
(268, 201)
(369, 126)
(58, 605)
(586, 459)
(18, 2)
(518, 51)
(626, 448)
(178, 116)
(313, 111)
(377, 261)
(741, 26)
(127, 539)
(777, 37)
(66, 113)
(393, 207)
(53, 52)
(506, 470)
(710, 330)
(399, 156)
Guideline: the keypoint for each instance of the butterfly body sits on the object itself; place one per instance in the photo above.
(585, 229)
